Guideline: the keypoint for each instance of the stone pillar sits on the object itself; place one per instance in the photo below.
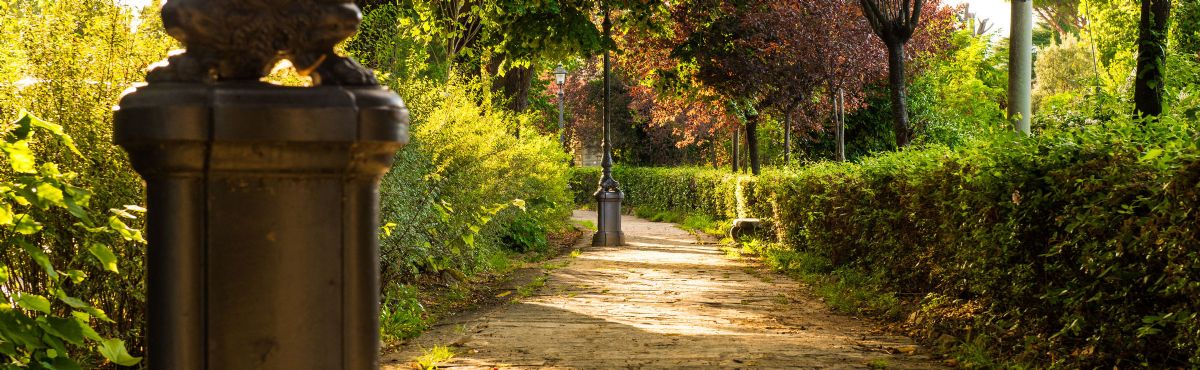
(263, 200)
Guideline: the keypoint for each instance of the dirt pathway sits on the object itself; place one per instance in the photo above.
(663, 301)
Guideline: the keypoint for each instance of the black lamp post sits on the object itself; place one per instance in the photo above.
(560, 76)
(608, 195)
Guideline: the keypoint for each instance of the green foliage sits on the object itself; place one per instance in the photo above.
(462, 194)
(958, 97)
(681, 191)
(68, 62)
(49, 327)
(1073, 249)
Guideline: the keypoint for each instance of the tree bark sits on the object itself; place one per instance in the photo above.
(899, 93)
(787, 138)
(1152, 35)
(735, 157)
(515, 88)
(752, 144)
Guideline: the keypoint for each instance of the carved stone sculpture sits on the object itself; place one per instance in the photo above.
(244, 39)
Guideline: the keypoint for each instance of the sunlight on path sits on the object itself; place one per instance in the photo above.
(664, 301)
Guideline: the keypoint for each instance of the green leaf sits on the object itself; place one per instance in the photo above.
(76, 276)
(19, 328)
(65, 363)
(1151, 154)
(6, 214)
(107, 259)
(3, 273)
(20, 157)
(55, 130)
(50, 194)
(87, 311)
(26, 225)
(125, 231)
(114, 350)
(38, 256)
(88, 332)
(33, 302)
(70, 330)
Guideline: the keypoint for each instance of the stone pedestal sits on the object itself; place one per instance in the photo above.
(262, 224)
(608, 229)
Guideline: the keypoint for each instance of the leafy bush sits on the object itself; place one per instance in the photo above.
(467, 186)
(41, 273)
(68, 62)
(1075, 249)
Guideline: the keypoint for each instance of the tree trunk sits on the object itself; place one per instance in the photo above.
(752, 144)
(515, 88)
(734, 157)
(899, 92)
(839, 117)
(787, 139)
(1152, 35)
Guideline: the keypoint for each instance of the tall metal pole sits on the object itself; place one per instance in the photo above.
(1020, 68)
(608, 195)
(562, 134)
(263, 200)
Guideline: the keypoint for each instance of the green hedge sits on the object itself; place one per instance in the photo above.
(684, 190)
(1076, 249)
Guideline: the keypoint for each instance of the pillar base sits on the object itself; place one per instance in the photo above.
(608, 217)
(608, 239)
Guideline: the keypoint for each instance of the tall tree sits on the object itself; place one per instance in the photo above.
(1062, 16)
(895, 21)
(1152, 57)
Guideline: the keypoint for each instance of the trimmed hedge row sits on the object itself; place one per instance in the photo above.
(684, 190)
(1075, 249)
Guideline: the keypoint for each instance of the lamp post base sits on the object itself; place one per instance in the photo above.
(608, 219)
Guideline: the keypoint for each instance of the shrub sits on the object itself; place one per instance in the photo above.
(68, 62)
(1077, 248)
(47, 314)
(466, 185)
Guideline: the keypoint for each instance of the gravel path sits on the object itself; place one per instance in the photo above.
(667, 300)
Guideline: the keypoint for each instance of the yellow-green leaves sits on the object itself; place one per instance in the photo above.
(105, 256)
(33, 302)
(35, 330)
(20, 157)
(114, 350)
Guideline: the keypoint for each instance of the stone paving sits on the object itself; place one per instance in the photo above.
(667, 300)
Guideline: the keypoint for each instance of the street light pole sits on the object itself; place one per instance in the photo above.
(560, 76)
(608, 195)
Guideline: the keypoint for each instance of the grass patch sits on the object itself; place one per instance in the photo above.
(401, 314)
(847, 289)
(433, 358)
(551, 265)
(586, 224)
(532, 287)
